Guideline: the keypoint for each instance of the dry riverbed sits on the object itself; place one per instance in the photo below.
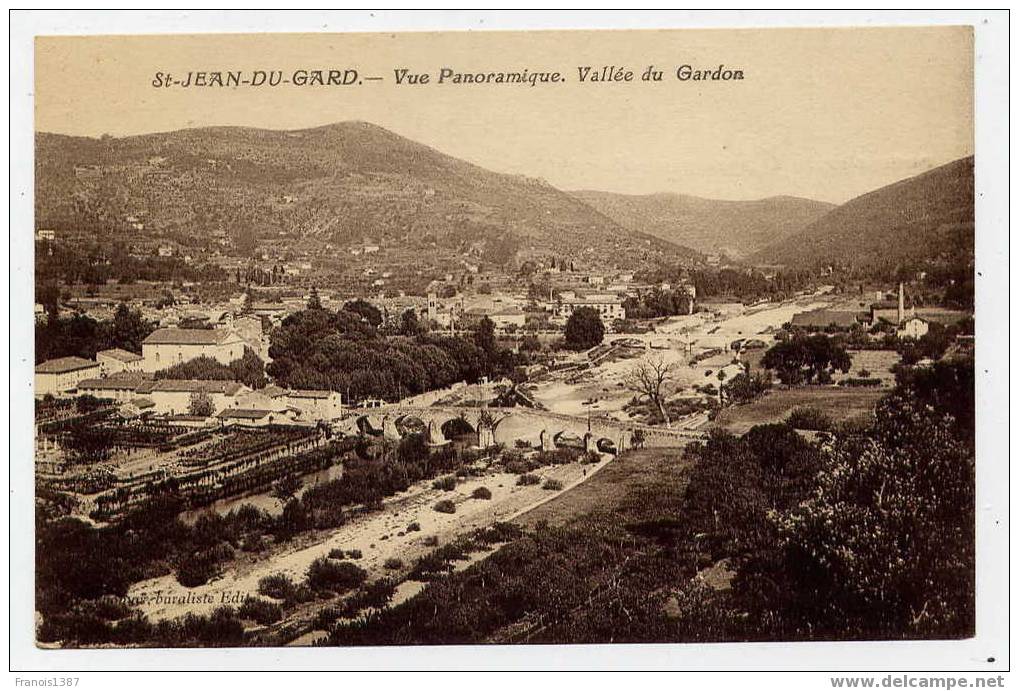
(377, 535)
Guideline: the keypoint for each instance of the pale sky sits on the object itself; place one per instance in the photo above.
(822, 113)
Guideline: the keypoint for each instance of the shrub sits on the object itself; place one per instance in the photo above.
(414, 527)
(528, 479)
(196, 570)
(337, 554)
(375, 595)
(445, 506)
(810, 419)
(324, 574)
(354, 554)
(430, 541)
(277, 586)
(446, 483)
(261, 611)
(393, 563)
(551, 484)
(481, 493)
(325, 618)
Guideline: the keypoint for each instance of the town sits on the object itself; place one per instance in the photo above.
(292, 425)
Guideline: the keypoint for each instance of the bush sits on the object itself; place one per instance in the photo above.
(481, 493)
(196, 570)
(445, 506)
(354, 554)
(431, 541)
(810, 419)
(325, 618)
(277, 586)
(551, 484)
(393, 563)
(446, 483)
(414, 527)
(261, 611)
(337, 554)
(324, 574)
(528, 479)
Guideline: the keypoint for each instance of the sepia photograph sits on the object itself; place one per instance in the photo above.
(505, 338)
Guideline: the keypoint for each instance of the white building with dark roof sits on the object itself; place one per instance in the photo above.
(117, 360)
(167, 347)
(173, 396)
(63, 374)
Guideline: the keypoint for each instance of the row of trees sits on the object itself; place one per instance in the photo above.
(83, 336)
(344, 351)
(249, 369)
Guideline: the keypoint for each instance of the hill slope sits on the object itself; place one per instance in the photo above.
(339, 183)
(738, 228)
(920, 219)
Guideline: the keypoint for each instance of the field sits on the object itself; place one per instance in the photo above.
(840, 404)
(617, 487)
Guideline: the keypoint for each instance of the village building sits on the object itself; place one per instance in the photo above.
(63, 374)
(167, 347)
(117, 360)
(915, 327)
(174, 396)
(121, 386)
(503, 316)
(255, 417)
(824, 320)
(608, 305)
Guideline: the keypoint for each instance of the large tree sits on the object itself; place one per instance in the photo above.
(651, 377)
(584, 329)
(806, 358)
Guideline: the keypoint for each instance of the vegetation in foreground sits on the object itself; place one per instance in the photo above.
(866, 535)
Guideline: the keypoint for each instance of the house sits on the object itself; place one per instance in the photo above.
(914, 327)
(823, 320)
(117, 360)
(315, 405)
(63, 374)
(174, 396)
(608, 306)
(501, 316)
(167, 347)
(255, 417)
(122, 386)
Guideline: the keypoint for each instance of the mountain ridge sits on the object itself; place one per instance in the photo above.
(339, 182)
(923, 218)
(736, 228)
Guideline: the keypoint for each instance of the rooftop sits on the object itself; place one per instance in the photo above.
(824, 318)
(186, 337)
(190, 386)
(64, 364)
(120, 354)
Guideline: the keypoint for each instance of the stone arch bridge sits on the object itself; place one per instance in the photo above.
(540, 428)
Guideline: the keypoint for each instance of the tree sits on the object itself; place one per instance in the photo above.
(484, 335)
(804, 358)
(584, 329)
(410, 325)
(285, 489)
(201, 404)
(314, 303)
(367, 311)
(129, 329)
(249, 369)
(650, 378)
